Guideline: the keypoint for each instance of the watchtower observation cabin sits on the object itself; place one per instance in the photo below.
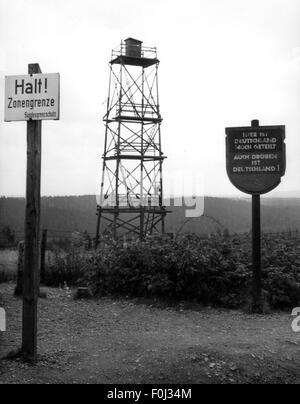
(131, 197)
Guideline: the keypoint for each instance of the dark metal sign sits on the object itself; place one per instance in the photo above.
(256, 157)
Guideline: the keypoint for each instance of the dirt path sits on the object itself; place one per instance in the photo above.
(109, 341)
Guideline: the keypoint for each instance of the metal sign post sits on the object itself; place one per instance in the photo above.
(32, 98)
(256, 161)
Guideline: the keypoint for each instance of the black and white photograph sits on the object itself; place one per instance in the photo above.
(150, 195)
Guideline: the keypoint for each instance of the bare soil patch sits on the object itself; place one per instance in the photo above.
(120, 341)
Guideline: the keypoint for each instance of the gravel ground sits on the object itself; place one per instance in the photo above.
(124, 341)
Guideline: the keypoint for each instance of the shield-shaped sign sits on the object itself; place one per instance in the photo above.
(256, 157)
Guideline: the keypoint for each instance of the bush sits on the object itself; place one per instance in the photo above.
(7, 237)
(214, 271)
(65, 268)
(283, 289)
(7, 276)
(188, 268)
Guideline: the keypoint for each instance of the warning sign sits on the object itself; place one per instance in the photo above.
(33, 97)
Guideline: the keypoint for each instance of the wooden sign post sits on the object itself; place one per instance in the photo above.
(32, 235)
(256, 161)
(256, 254)
(32, 98)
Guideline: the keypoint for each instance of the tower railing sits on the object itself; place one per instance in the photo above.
(135, 110)
(146, 51)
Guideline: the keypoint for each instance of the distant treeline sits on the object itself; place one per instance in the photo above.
(64, 215)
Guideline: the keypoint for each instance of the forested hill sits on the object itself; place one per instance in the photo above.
(78, 213)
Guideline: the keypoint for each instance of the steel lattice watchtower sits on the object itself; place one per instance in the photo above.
(131, 198)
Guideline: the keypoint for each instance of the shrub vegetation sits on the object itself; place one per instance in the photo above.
(210, 271)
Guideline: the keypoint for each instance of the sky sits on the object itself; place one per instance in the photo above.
(222, 63)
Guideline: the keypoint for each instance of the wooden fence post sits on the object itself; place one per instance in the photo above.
(19, 287)
(43, 255)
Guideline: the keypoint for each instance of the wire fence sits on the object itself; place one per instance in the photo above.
(74, 238)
